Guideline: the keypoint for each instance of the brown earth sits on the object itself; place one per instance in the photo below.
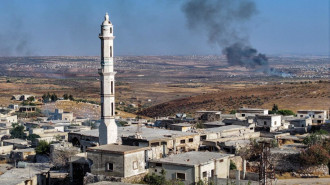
(292, 96)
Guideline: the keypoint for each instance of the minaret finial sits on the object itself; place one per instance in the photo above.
(106, 17)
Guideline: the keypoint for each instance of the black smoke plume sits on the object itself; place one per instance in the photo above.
(238, 54)
(224, 21)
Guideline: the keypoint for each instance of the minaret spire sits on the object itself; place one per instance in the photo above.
(108, 127)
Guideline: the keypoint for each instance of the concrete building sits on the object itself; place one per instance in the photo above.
(61, 115)
(108, 127)
(318, 116)
(270, 122)
(27, 109)
(183, 127)
(27, 174)
(208, 115)
(245, 112)
(8, 119)
(117, 160)
(192, 167)
(17, 143)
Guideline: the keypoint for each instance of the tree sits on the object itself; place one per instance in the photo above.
(17, 131)
(31, 98)
(286, 112)
(32, 137)
(53, 97)
(275, 108)
(43, 147)
(71, 97)
(65, 96)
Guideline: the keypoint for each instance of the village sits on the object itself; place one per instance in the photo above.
(209, 147)
(249, 145)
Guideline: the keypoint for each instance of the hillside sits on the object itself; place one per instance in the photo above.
(291, 96)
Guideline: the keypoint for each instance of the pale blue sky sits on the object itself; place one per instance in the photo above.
(153, 27)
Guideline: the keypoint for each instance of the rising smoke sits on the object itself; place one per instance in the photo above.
(224, 21)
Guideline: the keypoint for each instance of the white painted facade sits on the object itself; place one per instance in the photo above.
(273, 122)
(108, 127)
(318, 116)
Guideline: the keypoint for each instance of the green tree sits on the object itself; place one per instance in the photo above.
(53, 97)
(17, 131)
(65, 96)
(31, 98)
(275, 108)
(286, 112)
(43, 147)
(233, 112)
(32, 137)
(232, 165)
(71, 97)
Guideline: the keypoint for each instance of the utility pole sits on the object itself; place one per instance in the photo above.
(266, 169)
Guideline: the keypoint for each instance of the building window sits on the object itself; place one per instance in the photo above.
(275, 122)
(181, 176)
(110, 51)
(221, 160)
(182, 141)
(111, 87)
(159, 164)
(154, 144)
(265, 122)
(320, 116)
(110, 29)
(212, 173)
(109, 167)
(111, 109)
(204, 174)
(135, 165)
(203, 138)
(191, 140)
(243, 115)
(301, 116)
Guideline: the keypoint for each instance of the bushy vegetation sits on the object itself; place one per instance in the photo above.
(34, 114)
(318, 151)
(232, 165)
(68, 97)
(283, 112)
(43, 147)
(49, 97)
(18, 132)
(160, 179)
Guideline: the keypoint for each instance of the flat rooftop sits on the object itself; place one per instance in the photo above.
(16, 141)
(192, 158)
(146, 133)
(224, 128)
(119, 149)
(19, 175)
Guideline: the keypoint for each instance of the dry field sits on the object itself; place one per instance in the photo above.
(293, 96)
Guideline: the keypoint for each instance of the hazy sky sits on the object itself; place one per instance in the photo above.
(153, 27)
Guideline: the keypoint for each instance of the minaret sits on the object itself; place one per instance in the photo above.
(108, 127)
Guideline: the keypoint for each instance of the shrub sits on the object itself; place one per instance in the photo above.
(232, 165)
(17, 131)
(43, 147)
(315, 155)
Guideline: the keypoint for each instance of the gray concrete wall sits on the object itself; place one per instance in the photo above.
(134, 164)
(99, 164)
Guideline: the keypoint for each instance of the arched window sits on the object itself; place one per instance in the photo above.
(110, 29)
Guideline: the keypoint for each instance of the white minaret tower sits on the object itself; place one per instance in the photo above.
(108, 127)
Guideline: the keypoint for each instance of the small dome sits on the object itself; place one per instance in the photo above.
(106, 19)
